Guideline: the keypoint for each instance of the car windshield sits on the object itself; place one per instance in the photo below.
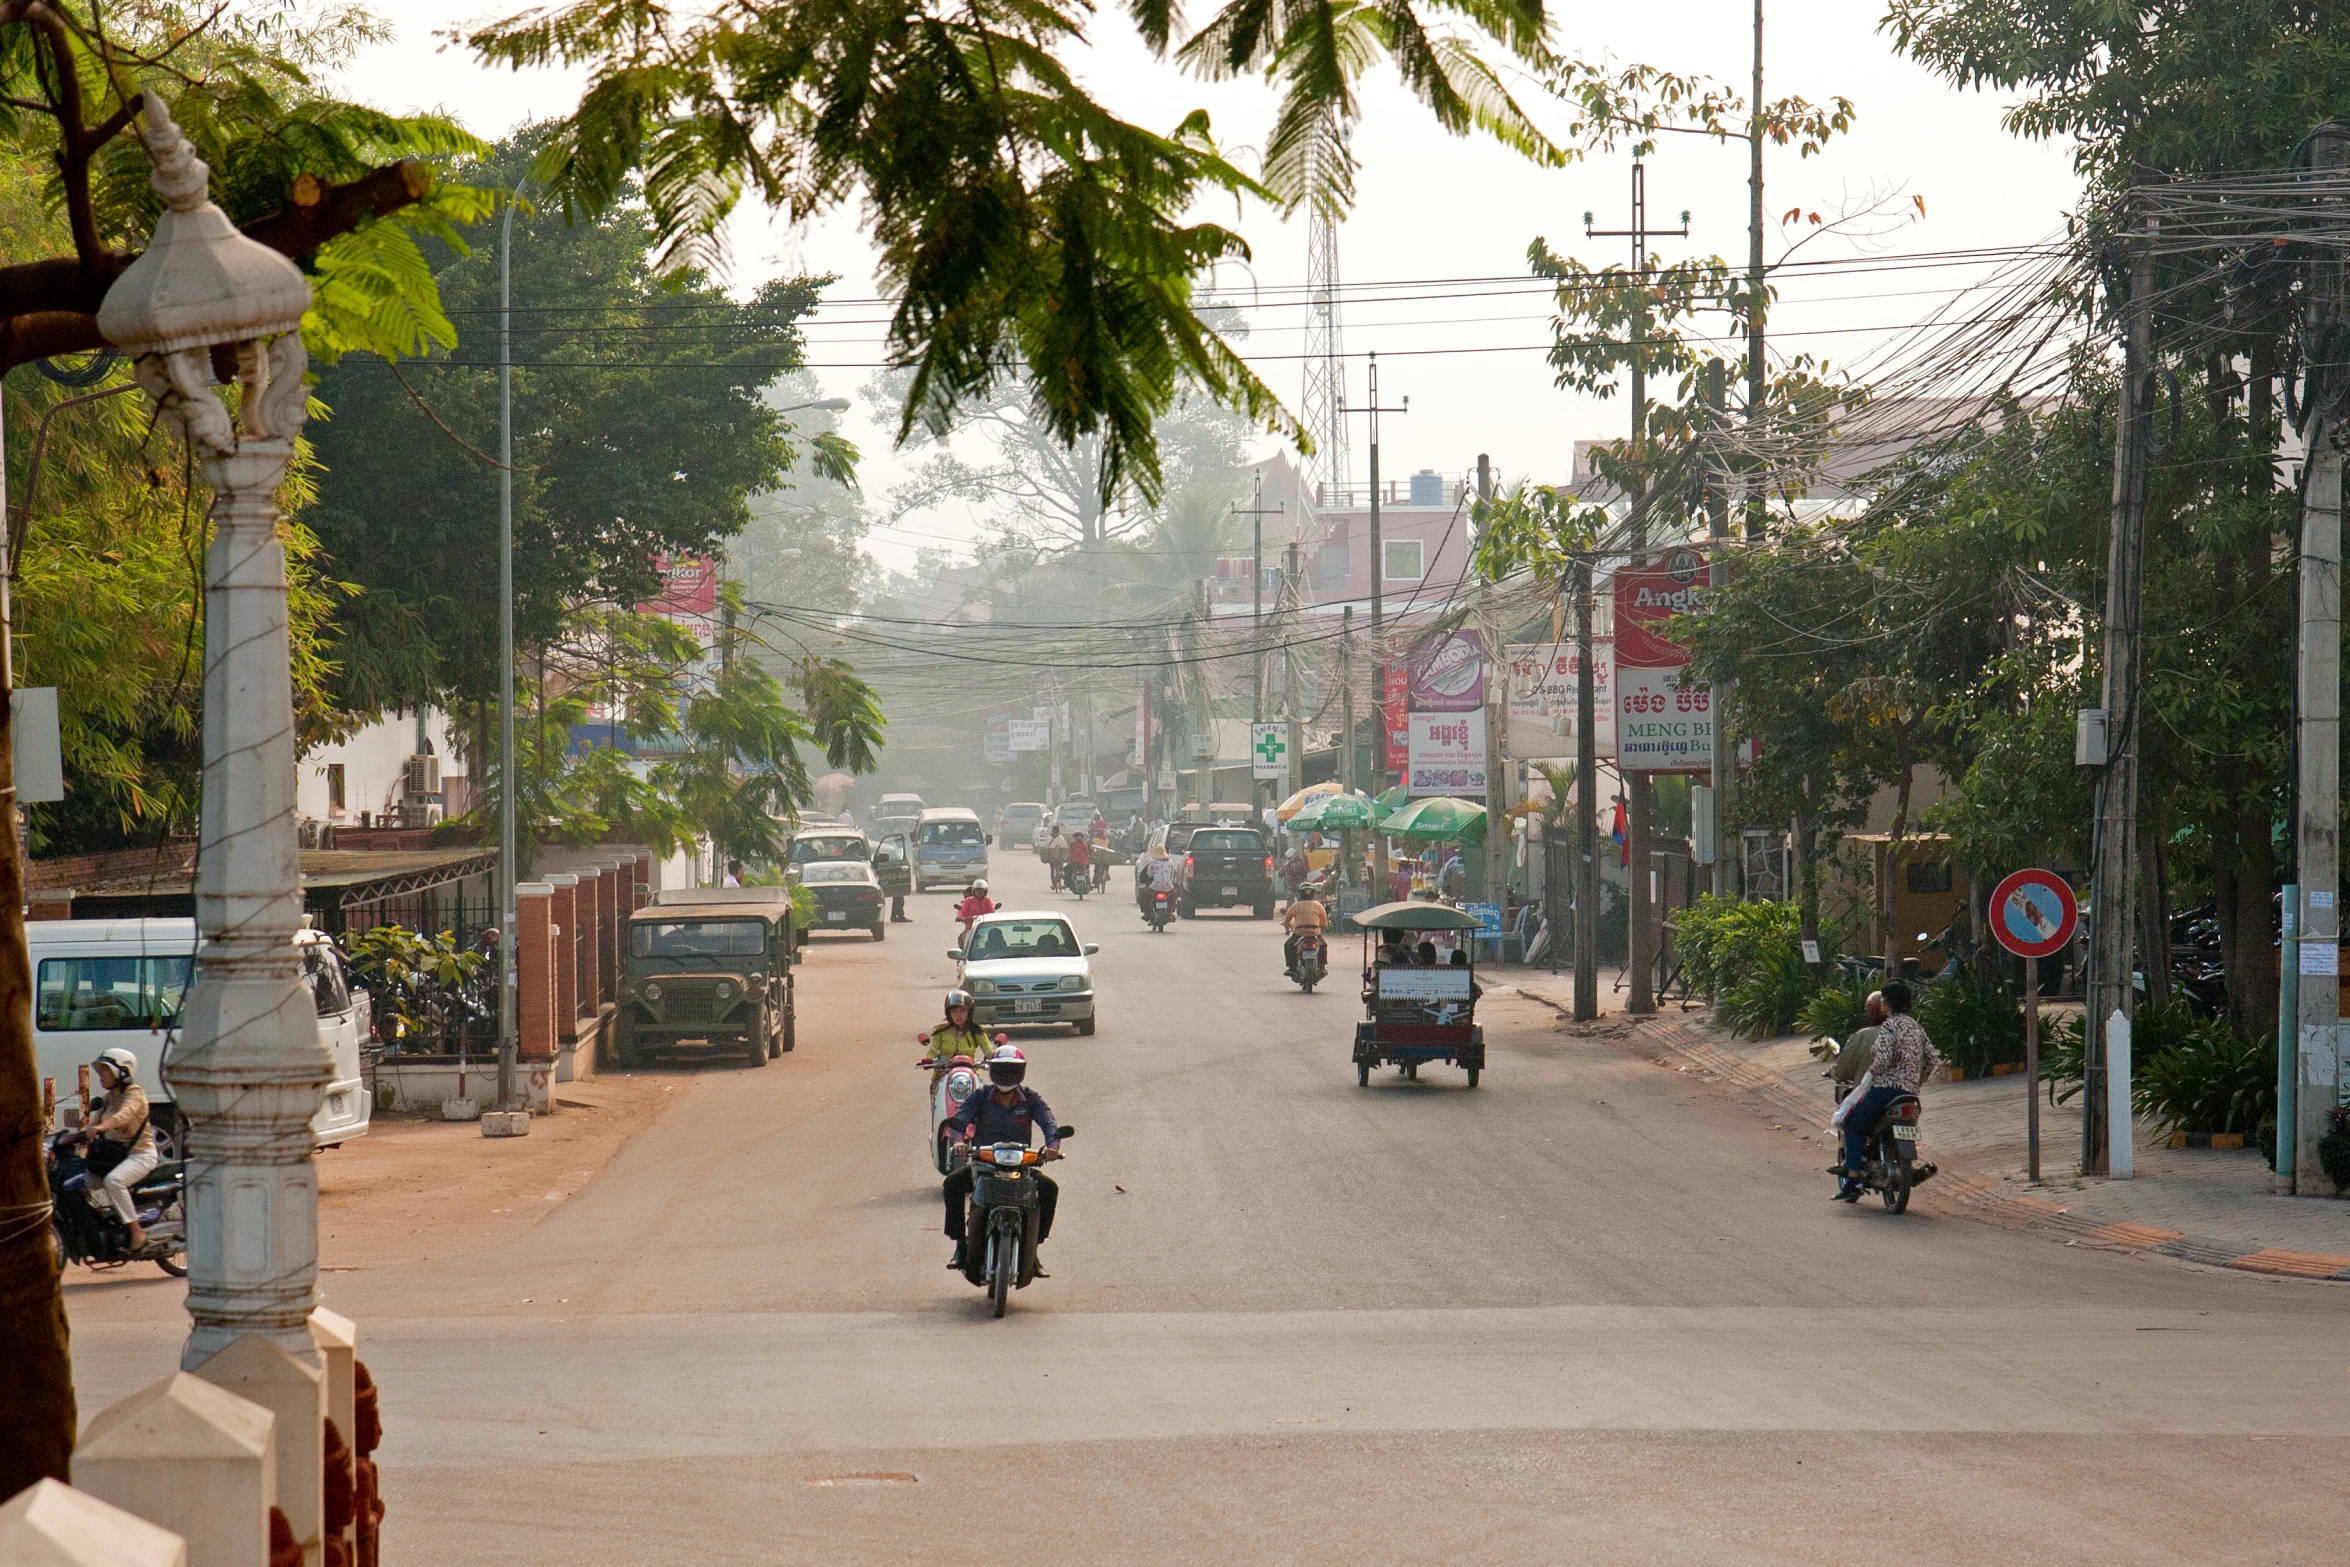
(831, 846)
(1024, 939)
(1227, 839)
(961, 835)
(837, 871)
(692, 938)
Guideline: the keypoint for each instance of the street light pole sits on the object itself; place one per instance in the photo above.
(1378, 619)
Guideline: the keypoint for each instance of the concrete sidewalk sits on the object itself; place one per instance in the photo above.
(2196, 1205)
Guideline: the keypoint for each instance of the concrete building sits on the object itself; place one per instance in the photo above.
(367, 780)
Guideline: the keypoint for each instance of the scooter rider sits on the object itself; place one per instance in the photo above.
(119, 1139)
(1007, 1113)
(1158, 875)
(1056, 854)
(1304, 914)
(1903, 1058)
(975, 903)
(1080, 868)
(959, 1035)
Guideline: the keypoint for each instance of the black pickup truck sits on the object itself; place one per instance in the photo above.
(1223, 868)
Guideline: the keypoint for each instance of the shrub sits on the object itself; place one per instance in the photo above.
(1840, 1010)
(1769, 996)
(2333, 1150)
(1976, 1025)
(419, 987)
(2187, 1073)
(1751, 955)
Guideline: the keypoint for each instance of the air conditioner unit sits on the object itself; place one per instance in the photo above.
(424, 776)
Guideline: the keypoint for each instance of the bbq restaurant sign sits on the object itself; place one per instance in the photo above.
(1661, 727)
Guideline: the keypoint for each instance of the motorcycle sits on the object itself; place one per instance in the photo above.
(1160, 911)
(1079, 879)
(949, 1087)
(1890, 1165)
(999, 1255)
(96, 1236)
(1313, 962)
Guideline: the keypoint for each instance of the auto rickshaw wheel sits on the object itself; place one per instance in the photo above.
(1362, 1074)
(1472, 1077)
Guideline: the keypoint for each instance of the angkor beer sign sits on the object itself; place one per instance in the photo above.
(1660, 727)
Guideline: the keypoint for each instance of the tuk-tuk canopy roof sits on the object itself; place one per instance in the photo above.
(1417, 916)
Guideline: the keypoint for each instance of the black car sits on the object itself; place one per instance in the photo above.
(848, 896)
(1224, 868)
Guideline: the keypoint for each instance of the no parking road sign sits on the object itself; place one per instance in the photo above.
(2033, 913)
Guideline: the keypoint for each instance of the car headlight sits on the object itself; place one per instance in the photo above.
(1073, 982)
(983, 987)
(726, 990)
(652, 990)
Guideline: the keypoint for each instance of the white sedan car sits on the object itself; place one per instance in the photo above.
(1028, 968)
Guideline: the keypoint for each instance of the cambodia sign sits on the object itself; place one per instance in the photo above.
(1446, 754)
(1661, 726)
(1448, 676)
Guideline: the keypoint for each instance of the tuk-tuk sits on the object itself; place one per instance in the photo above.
(1415, 1014)
(708, 971)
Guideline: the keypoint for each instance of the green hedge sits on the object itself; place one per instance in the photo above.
(2187, 1073)
(1751, 955)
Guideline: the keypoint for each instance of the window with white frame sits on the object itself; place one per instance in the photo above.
(1402, 563)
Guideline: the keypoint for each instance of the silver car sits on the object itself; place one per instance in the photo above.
(1028, 969)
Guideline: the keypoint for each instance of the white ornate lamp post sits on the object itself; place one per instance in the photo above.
(248, 1069)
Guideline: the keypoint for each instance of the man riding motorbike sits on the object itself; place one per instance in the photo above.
(1080, 868)
(1304, 914)
(1056, 855)
(1007, 1113)
(959, 1035)
(120, 1143)
(1903, 1058)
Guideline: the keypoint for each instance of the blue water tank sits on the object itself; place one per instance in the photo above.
(1427, 488)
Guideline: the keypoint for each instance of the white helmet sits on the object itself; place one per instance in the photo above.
(126, 1065)
(978, 886)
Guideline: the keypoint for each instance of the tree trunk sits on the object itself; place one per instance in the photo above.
(2244, 888)
(1807, 838)
(38, 1420)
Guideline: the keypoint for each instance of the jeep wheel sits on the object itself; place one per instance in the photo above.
(624, 1050)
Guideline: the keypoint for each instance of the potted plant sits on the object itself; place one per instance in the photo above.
(2333, 1149)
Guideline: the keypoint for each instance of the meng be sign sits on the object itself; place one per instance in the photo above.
(1661, 726)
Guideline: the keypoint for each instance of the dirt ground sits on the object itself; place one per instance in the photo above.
(414, 1189)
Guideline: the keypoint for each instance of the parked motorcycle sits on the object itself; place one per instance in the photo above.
(88, 1234)
(1890, 1165)
(948, 1089)
(999, 1254)
(1160, 911)
(1313, 961)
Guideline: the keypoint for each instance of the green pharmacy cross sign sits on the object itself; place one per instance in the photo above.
(1270, 749)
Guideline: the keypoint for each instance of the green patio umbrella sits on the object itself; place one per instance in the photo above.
(1438, 819)
(1333, 813)
(1390, 801)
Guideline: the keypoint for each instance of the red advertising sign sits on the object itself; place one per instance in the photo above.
(689, 588)
(1396, 711)
(1661, 726)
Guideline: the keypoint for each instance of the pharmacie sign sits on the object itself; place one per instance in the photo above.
(1661, 727)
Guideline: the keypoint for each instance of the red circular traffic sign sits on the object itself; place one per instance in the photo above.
(2033, 913)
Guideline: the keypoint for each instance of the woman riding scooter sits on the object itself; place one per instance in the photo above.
(121, 1142)
(958, 1035)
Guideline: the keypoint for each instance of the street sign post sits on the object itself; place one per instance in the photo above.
(2033, 915)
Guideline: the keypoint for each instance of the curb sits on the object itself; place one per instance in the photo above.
(1980, 1196)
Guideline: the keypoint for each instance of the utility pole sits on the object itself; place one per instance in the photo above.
(1289, 702)
(1346, 697)
(1378, 617)
(2318, 732)
(2113, 899)
(1756, 376)
(1586, 805)
(1639, 788)
(509, 935)
(1256, 612)
(1717, 513)
(1497, 713)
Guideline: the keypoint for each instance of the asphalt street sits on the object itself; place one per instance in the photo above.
(1589, 1310)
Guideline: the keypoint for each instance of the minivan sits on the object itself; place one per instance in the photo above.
(98, 984)
(898, 805)
(950, 849)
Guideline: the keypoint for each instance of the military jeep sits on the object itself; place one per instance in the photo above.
(707, 971)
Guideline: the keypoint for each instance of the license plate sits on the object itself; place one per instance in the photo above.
(838, 914)
(1905, 1134)
(1232, 892)
(1027, 1006)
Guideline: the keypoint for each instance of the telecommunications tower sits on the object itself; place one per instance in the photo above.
(1323, 407)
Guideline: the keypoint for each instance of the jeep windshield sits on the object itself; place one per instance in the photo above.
(697, 938)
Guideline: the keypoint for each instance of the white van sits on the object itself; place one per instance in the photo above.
(102, 983)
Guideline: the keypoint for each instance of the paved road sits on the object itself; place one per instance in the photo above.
(1591, 1309)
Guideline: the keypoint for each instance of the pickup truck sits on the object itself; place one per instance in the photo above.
(1223, 868)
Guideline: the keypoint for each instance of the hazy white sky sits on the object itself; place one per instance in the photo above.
(1432, 207)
